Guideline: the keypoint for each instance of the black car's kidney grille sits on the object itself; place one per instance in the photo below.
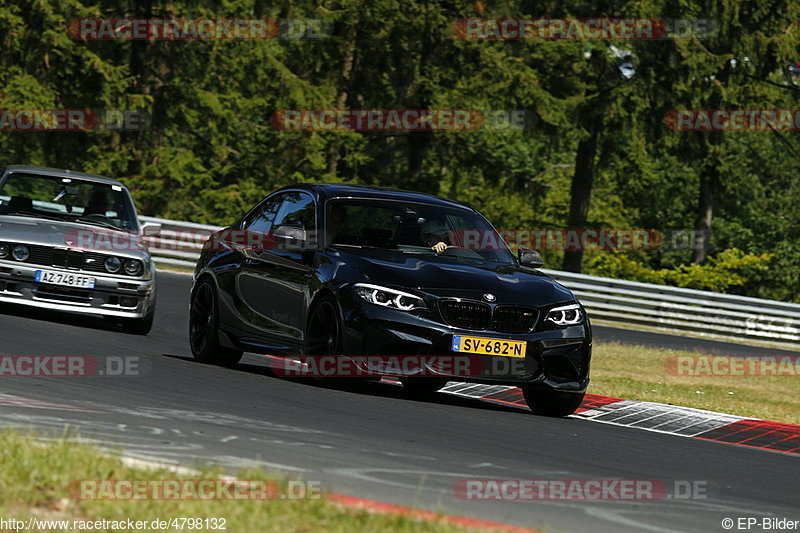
(480, 316)
(467, 315)
(513, 319)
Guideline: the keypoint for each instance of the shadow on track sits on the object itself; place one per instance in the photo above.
(69, 319)
(382, 388)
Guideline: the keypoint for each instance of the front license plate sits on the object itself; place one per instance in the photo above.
(489, 346)
(66, 279)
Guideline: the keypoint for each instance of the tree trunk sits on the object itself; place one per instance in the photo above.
(705, 212)
(344, 85)
(580, 197)
(418, 144)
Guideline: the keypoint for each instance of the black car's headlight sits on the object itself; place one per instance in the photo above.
(386, 297)
(133, 267)
(566, 315)
(20, 252)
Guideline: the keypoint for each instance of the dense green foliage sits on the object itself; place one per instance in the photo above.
(210, 150)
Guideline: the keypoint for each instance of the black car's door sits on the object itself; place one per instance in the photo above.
(241, 243)
(273, 284)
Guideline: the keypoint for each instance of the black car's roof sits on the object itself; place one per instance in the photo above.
(61, 173)
(325, 191)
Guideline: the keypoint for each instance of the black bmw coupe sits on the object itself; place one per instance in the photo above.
(401, 282)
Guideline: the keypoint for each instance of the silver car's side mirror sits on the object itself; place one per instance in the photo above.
(151, 228)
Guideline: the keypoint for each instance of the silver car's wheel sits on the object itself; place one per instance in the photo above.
(139, 326)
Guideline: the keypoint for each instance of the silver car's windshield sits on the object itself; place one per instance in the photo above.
(70, 199)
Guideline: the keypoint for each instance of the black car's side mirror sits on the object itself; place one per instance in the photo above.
(290, 237)
(531, 258)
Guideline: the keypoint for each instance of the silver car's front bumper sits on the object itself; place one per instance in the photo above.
(113, 296)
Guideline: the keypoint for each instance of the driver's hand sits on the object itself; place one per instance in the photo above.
(439, 247)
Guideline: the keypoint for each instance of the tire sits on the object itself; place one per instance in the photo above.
(139, 326)
(421, 388)
(552, 403)
(204, 328)
(324, 337)
(324, 329)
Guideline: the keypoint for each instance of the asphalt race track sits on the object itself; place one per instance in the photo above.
(369, 440)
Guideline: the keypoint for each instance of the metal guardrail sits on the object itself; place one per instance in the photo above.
(612, 300)
(699, 312)
(177, 243)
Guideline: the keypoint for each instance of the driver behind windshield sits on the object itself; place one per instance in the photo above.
(98, 204)
(435, 234)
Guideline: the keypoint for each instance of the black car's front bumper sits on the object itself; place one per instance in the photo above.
(556, 358)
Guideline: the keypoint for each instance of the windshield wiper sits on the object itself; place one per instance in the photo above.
(35, 214)
(98, 223)
(359, 246)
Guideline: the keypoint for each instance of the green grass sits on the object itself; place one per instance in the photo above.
(36, 475)
(639, 373)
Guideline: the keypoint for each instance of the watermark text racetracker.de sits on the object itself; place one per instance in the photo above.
(197, 29)
(636, 29)
(730, 366)
(73, 366)
(732, 119)
(216, 489)
(420, 366)
(600, 490)
(608, 239)
(446, 120)
(73, 120)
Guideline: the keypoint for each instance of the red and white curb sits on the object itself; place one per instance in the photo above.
(373, 506)
(658, 417)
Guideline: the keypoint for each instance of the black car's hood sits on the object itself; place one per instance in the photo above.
(445, 276)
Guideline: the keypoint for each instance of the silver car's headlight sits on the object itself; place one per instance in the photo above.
(566, 315)
(113, 264)
(386, 297)
(5, 250)
(20, 252)
(133, 267)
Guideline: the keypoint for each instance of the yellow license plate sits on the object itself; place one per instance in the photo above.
(488, 346)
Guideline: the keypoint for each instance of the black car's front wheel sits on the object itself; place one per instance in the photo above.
(422, 388)
(552, 403)
(324, 338)
(204, 327)
(323, 335)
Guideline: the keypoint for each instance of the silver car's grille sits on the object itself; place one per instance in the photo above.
(71, 259)
(40, 255)
(93, 262)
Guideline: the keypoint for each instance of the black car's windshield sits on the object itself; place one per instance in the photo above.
(414, 228)
(71, 199)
